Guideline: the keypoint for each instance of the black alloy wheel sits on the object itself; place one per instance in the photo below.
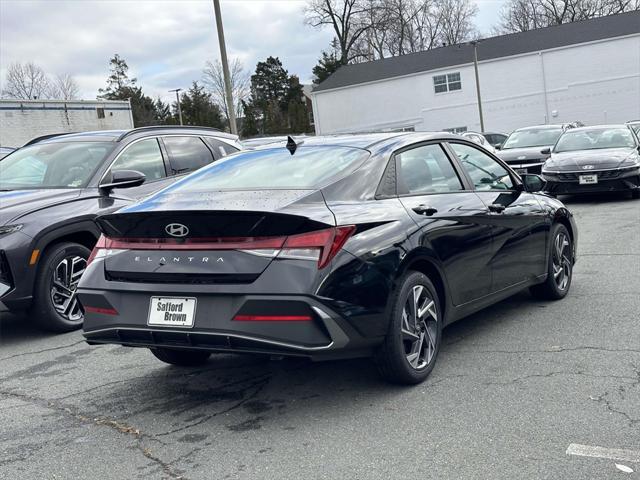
(560, 266)
(411, 346)
(56, 306)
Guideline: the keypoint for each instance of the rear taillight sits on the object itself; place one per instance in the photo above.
(319, 245)
(98, 250)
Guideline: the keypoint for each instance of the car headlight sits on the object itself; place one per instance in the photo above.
(10, 228)
(632, 161)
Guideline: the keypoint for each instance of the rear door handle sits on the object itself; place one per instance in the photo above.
(424, 210)
(497, 208)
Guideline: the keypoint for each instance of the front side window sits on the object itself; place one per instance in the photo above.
(187, 153)
(53, 165)
(145, 157)
(425, 169)
(448, 82)
(485, 172)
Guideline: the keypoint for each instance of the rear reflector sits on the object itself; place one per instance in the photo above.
(103, 311)
(319, 245)
(272, 318)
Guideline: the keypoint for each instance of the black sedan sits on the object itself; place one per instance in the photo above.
(595, 159)
(522, 150)
(335, 247)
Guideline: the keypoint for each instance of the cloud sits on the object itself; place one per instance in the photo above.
(165, 42)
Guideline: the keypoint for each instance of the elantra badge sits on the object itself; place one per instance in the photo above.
(177, 230)
(588, 167)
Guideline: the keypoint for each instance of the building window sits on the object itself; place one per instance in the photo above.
(447, 82)
(100, 111)
(456, 130)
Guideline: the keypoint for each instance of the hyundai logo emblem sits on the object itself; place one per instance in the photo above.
(177, 230)
(587, 167)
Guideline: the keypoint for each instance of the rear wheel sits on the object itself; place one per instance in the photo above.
(411, 346)
(560, 266)
(56, 306)
(182, 358)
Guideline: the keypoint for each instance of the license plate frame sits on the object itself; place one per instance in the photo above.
(591, 179)
(174, 321)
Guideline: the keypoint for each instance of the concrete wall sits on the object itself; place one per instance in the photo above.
(22, 120)
(595, 83)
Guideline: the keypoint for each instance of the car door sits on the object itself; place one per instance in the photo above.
(433, 192)
(519, 222)
(144, 156)
(186, 153)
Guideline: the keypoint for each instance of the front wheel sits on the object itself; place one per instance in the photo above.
(182, 358)
(411, 346)
(559, 266)
(56, 307)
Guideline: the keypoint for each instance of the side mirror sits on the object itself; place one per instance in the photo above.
(533, 183)
(545, 151)
(123, 179)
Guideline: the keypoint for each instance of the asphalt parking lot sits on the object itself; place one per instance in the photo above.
(517, 389)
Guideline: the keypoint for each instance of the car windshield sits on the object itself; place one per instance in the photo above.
(532, 137)
(274, 168)
(595, 138)
(52, 165)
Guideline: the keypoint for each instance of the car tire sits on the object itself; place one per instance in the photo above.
(396, 358)
(181, 358)
(59, 272)
(559, 266)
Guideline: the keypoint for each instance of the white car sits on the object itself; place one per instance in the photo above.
(480, 140)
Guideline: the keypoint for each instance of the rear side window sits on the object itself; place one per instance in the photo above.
(485, 172)
(187, 153)
(425, 169)
(219, 149)
(144, 156)
(308, 168)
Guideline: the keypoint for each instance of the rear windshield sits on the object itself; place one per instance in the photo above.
(275, 168)
(532, 137)
(595, 138)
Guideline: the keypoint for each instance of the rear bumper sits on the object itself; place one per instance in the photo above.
(622, 182)
(326, 336)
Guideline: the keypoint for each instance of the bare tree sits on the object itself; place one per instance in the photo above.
(26, 81)
(66, 87)
(523, 15)
(457, 20)
(213, 79)
(350, 20)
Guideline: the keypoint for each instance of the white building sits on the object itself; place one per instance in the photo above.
(23, 120)
(587, 71)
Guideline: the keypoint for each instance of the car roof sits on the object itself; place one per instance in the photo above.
(600, 127)
(542, 127)
(118, 135)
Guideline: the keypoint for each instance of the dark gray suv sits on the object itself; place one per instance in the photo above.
(52, 189)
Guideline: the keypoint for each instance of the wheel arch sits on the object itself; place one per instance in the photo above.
(429, 266)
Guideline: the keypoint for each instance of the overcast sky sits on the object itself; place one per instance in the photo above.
(165, 42)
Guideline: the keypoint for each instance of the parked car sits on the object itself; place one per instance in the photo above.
(522, 149)
(344, 246)
(602, 158)
(480, 140)
(52, 190)
(495, 139)
(4, 151)
(635, 125)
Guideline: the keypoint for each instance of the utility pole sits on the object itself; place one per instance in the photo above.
(225, 69)
(475, 66)
(178, 101)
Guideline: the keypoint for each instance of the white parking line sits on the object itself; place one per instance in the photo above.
(601, 452)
